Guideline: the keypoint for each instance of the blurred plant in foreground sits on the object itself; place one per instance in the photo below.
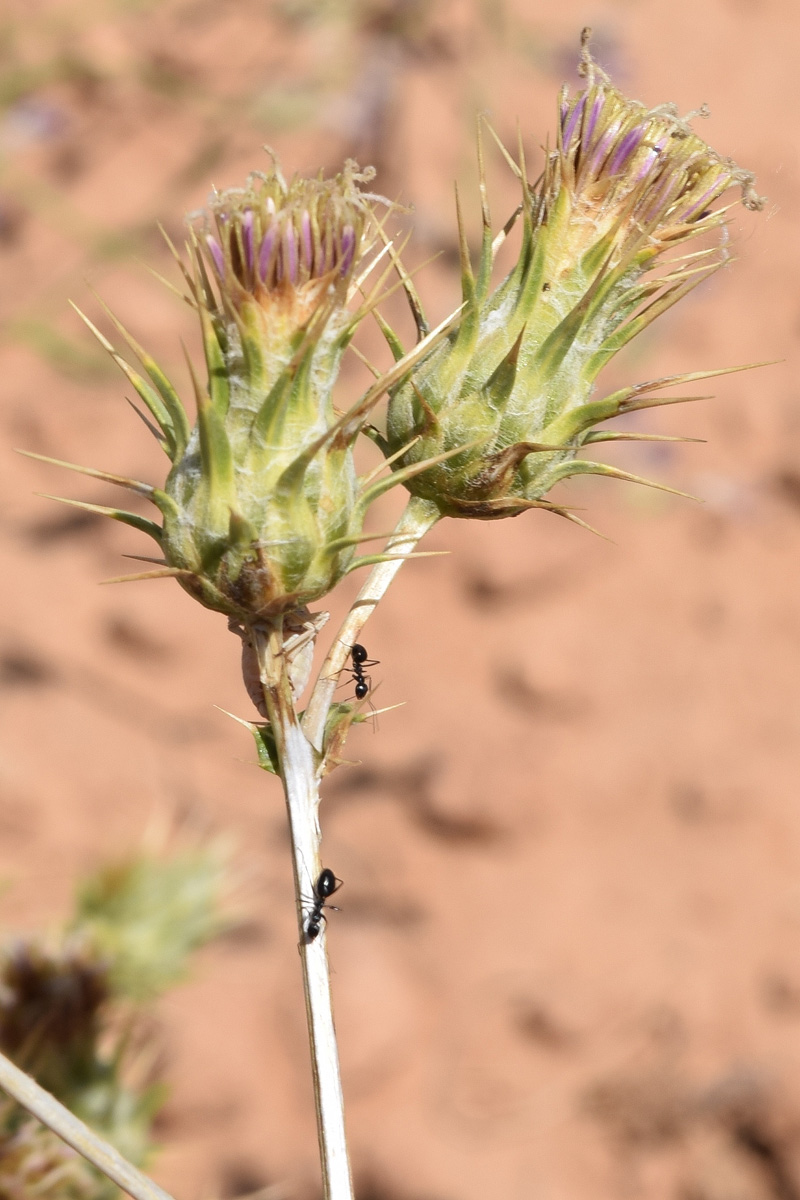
(71, 1013)
(262, 510)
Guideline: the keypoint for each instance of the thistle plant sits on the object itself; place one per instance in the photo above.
(262, 512)
(71, 1010)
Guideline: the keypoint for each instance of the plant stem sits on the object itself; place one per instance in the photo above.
(94, 1149)
(418, 517)
(298, 750)
(298, 772)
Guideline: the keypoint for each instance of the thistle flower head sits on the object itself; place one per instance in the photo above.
(262, 508)
(511, 382)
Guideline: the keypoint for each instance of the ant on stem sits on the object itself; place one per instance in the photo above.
(358, 655)
(326, 885)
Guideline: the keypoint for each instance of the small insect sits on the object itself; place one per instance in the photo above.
(326, 885)
(358, 655)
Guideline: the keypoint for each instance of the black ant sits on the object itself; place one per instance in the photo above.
(358, 655)
(326, 885)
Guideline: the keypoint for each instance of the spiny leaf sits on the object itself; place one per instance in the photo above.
(363, 358)
(177, 413)
(610, 435)
(165, 573)
(147, 393)
(392, 340)
(157, 433)
(133, 485)
(412, 296)
(343, 543)
(371, 559)
(559, 510)
(561, 432)
(581, 466)
(665, 381)
(127, 518)
(388, 461)
(613, 344)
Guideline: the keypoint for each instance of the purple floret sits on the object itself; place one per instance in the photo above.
(247, 238)
(265, 254)
(290, 254)
(591, 122)
(624, 150)
(572, 121)
(708, 196)
(216, 254)
(307, 243)
(348, 247)
(654, 153)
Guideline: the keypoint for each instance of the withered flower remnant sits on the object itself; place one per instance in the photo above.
(623, 186)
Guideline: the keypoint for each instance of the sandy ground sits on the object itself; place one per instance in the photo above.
(568, 958)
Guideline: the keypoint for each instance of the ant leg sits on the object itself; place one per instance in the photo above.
(373, 716)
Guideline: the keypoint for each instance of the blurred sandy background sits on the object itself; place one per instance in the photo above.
(567, 963)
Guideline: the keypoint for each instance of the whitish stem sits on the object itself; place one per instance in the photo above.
(298, 771)
(298, 766)
(55, 1116)
(417, 519)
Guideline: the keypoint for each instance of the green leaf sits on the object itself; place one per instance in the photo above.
(266, 749)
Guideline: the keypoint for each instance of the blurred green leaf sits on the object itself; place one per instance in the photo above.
(146, 917)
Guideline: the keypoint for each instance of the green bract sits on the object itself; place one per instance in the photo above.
(512, 381)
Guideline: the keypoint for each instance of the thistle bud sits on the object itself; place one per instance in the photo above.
(262, 509)
(511, 382)
(264, 516)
